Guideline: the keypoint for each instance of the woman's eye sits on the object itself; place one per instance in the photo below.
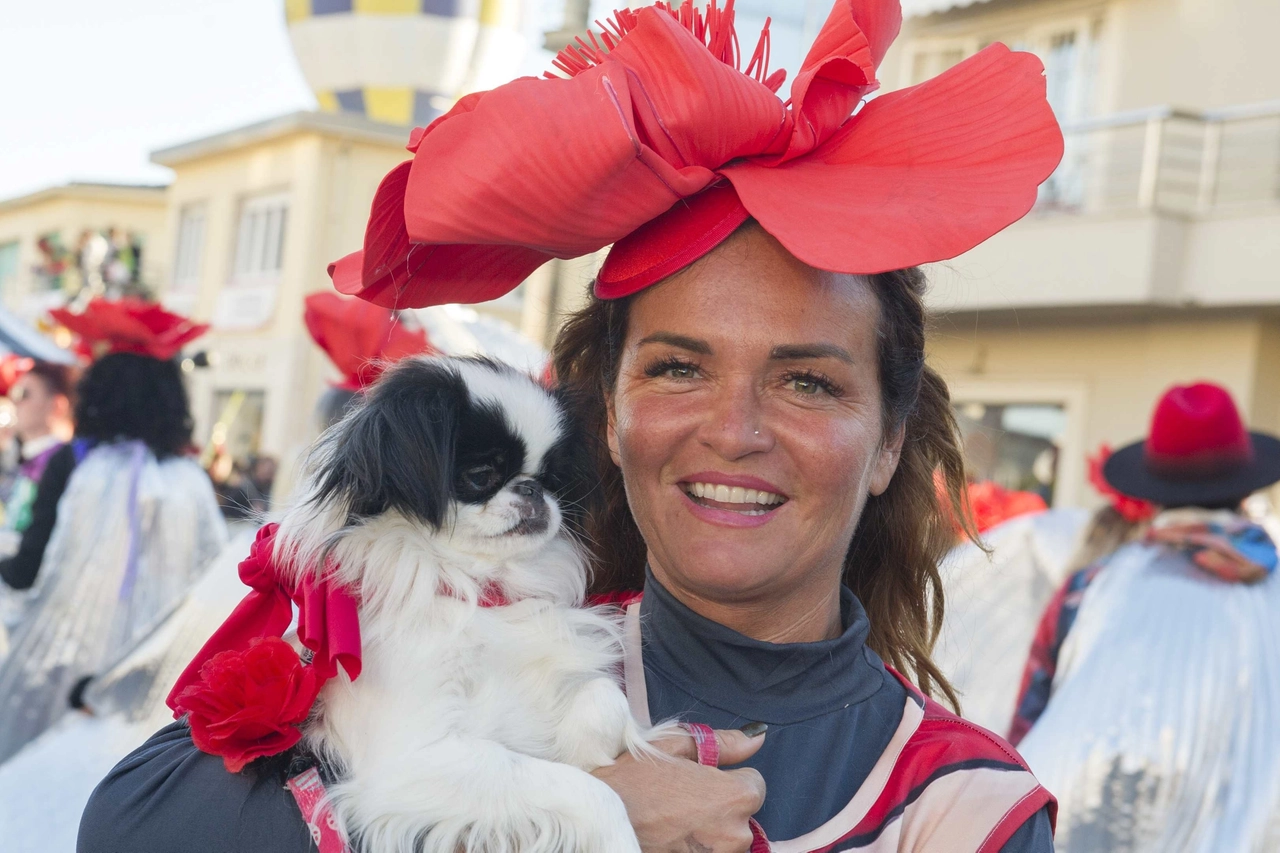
(810, 386)
(672, 369)
(807, 386)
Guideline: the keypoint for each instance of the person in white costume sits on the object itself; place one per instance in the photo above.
(134, 529)
(1149, 699)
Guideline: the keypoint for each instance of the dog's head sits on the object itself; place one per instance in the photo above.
(468, 446)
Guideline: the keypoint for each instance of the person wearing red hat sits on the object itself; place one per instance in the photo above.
(1155, 668)
(750, 363)
(130, 519)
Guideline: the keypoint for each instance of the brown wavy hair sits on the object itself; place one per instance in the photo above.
(892, 562)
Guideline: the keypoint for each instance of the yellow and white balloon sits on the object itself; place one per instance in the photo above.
(405, 61)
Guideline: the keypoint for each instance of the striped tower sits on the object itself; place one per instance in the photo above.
(404, 61)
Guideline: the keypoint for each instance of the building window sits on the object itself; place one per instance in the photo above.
(190, 249)
(1015, 445)
(249, 299)
(8, 266)
(260, 238)
(1068, 47)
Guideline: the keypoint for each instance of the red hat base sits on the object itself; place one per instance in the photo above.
(664, 246)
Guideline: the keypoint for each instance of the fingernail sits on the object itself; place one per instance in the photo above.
(754, 729)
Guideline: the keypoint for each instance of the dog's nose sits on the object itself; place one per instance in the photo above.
(530, 489)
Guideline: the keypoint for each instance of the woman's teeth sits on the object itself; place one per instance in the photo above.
(752, 501)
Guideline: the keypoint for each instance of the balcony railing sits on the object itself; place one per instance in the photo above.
(1169, 160)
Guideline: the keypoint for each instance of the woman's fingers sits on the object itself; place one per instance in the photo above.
(681, 805)
(752, 787)
(737, 746)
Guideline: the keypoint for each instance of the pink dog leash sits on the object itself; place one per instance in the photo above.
(704, 738)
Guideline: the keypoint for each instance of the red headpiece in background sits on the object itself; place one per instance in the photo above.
(129, 325)
(656, 111)
(12, 367)
(361, 339)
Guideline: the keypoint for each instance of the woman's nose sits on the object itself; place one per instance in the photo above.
(734, 426)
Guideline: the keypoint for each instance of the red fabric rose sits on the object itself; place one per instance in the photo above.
(249, 703)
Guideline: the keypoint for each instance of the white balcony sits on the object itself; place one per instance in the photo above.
(1157, 206)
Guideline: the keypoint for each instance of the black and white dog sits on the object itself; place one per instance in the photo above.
(471, 726)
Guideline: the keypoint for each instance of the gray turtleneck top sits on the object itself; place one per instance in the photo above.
(831, 708)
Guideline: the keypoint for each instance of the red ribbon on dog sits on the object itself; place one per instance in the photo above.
(248, 708)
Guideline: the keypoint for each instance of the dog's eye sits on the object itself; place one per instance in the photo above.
(481, 478)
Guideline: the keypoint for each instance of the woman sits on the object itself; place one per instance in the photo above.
(768, 431)
(135, 525)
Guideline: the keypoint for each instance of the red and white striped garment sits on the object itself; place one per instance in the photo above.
(943, 784)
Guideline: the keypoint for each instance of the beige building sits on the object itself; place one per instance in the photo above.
(255, 215)
(1153, 256)
(51, 241)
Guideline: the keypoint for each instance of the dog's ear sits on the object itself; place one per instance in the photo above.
(396, 450)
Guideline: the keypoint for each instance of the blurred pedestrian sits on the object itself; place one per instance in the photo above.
(42, 401)
(12, 367)
(135, 525)
(1148, 704)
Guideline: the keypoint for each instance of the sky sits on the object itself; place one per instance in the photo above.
(88, 88)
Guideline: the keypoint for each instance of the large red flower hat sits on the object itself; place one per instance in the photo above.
(361, 339)
(129, 325)
(655, 112)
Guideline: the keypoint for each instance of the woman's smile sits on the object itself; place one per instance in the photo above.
(731, 500)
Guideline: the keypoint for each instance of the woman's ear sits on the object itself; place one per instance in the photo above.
(612, 430)
(887, 460)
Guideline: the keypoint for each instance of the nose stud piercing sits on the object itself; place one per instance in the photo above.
(757, 432)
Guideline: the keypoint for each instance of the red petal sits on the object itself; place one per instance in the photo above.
(839, 69)
(394, 273)
(879, 21)
(688, 106)
(554, 164)
(566, 167)
(919, 175)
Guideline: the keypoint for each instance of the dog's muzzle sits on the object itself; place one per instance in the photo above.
(535, 515)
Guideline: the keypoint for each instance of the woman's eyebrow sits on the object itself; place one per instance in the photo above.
(796, 352)
(681, 341)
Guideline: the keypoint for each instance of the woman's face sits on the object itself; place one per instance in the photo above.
(747, 422)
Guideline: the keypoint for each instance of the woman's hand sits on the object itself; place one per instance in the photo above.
(679, 806)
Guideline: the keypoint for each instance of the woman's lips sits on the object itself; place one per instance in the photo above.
(731, 500)
(713, 512)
